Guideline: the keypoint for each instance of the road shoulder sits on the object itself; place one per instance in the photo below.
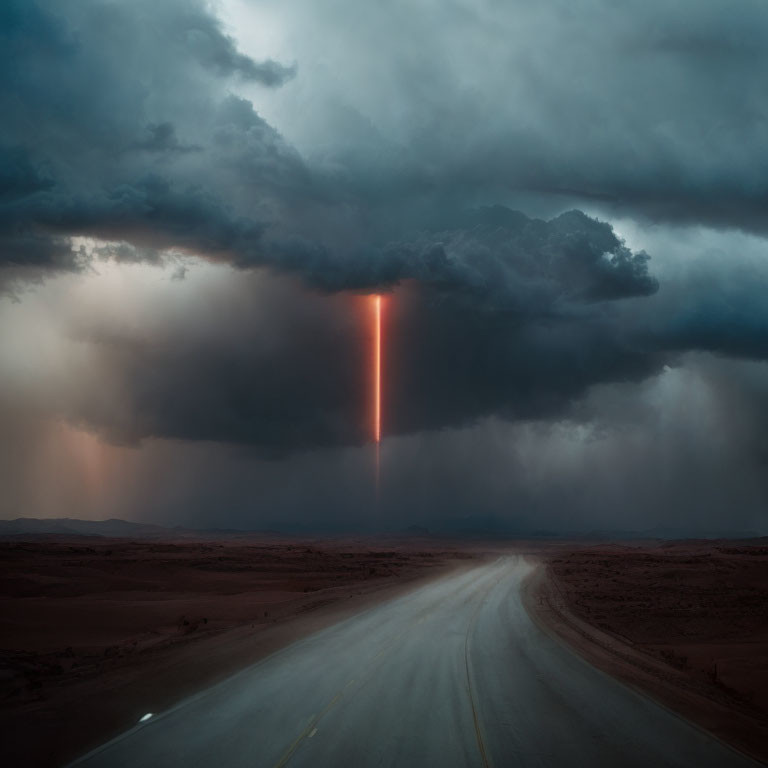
(548, 608)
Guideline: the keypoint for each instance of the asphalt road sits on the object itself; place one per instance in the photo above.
(452, 674)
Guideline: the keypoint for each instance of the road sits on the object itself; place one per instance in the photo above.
(452, 674)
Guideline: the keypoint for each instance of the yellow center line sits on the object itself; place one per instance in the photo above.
(475, 716)
(311, 728)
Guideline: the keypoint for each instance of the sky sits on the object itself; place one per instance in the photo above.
(563, 205)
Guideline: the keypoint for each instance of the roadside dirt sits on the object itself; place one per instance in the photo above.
(684, 622)
(95, 633)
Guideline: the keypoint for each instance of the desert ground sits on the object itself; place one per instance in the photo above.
(686, 622)
(96, 632)
(453, 674)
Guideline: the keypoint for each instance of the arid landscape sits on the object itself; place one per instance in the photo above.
(96, 632)
(686, 622)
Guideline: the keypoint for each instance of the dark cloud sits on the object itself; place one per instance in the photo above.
(407, 161)
(162, 138)
(713, 301)
(509, 261)
(93, 149)
(497, 258)
(18, 175)
(117, 127)
(504, 317)
(285, 369)
(649, 110)
(505, 299)
(281, 371)
(195, 30)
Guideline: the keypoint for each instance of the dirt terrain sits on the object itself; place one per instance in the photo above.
(94, 632)
(686, 622)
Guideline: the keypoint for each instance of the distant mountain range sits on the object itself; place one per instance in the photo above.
(671, 534)
(113, 528)
(125, 529)
(496, 527)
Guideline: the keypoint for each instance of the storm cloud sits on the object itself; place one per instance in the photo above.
(118, 126)
(644, 108)
(563, 207)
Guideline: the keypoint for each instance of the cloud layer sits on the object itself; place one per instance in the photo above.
(118, 126)
(449, 168)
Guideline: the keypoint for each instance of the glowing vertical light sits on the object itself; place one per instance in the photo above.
(377, 369)
(376, 304)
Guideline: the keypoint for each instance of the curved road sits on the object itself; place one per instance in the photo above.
(453, 674)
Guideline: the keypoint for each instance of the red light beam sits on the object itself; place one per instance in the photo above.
(376, 305)
(377, 369)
